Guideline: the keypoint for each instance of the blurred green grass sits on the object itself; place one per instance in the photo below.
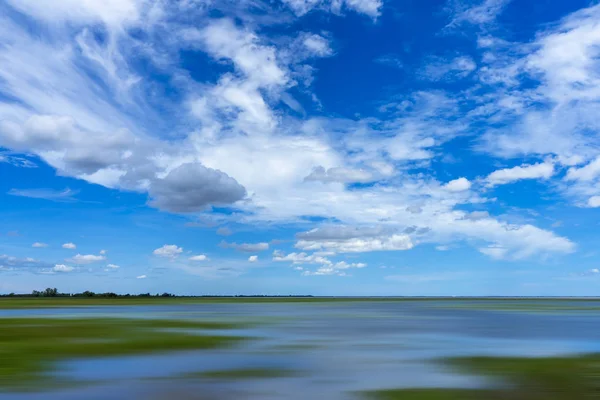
(30, 347)
(552, 378)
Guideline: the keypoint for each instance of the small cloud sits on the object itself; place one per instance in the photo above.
(199, 257)
(17, 161)
(70, 246)
(458, 185)
(224, 231)
(141, 277)
(442, 248)
(113, 266)
(253, 259)
(86, 259)
(62, 268)
(168, 250)
(103, 252)
(39, 245)
(65, 195)
(389, 60)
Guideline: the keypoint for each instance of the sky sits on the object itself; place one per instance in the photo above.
(323, 147)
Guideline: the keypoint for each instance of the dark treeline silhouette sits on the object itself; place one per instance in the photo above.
(53, 292)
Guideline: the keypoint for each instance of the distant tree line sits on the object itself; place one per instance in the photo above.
(53, 292)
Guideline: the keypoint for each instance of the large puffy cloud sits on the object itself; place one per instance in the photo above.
(89, 113)
(193, 187)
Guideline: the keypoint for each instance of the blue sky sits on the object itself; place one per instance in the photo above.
(326, 147)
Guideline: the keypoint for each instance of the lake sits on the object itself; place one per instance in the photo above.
(329, 350)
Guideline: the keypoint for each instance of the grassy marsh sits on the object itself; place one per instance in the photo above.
(552, 378)
(30, 347)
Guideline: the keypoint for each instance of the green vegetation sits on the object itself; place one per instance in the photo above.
(30, 347)
(243, 373)
(555, 378)
(111, 299)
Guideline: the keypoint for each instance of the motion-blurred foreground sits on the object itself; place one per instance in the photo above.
(401, 349)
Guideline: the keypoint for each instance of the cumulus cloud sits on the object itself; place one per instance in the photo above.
(112, 267)
(86, 258)
(102, 252)
(141, 277)
(245, 247)
(458, 185)
(199, 257)
(327, 267)
(70, 246)
(62, 268)
(193, 187)
(168, 250)
(39, 245)
(508, 175)
(594, 201)
(253, 259)
(89, 113)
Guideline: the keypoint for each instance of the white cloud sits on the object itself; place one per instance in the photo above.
(168, 250)
(342, 175)
(594, 201)
(245, 247)
(481, 14)
(86, 259)
(390, 60)
(199, 257)
(102, 252)
(123, 138)
(589, 172)
(372, 8)
(508, 175)
(327, 267)
(253, 259)
(441, 69)
(111, 268)
(317, 45)
(141, 277)
(458, 185)
(39, 245)
(111, 12)
(46, 194)
(62, 268)
(358, 245)
(70, 246)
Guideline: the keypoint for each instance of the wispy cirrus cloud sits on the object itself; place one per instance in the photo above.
(65, 195)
